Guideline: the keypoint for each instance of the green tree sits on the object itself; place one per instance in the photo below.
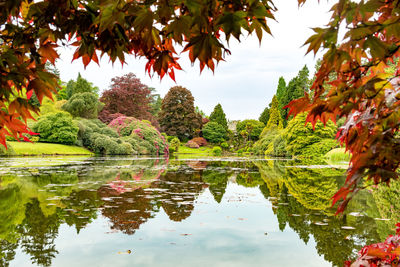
(155, 102)
(81, 85)
(178, 116)
(84, 105)
(252, 127)
(294, 90)
(214, 132)
(264, 117)
(218, 116)
(280, 95)
(275, 118)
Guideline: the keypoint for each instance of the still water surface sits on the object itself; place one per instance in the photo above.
(188, 212)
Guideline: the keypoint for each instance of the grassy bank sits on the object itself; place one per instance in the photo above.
(337, 155)
(204, 151)
(25, 148)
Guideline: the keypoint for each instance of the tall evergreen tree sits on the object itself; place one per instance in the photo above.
(275, 118)
(218, 116)
(294, 90)
(178, 116)
(280, 95)
(81, 85)
(264, 117)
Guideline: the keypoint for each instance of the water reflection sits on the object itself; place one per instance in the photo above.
(128, 193)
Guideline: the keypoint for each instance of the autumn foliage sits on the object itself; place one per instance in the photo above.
(381, 254)
(362, 90)
(127, 96)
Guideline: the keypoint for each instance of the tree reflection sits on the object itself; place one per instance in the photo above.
(301, 199)
(38, 234)
(179, 190)
(126, 211)
(217, 182)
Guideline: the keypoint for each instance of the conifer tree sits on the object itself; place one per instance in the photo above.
(275, 118)
(280, 95)
(294, 90)
(218, 116)
(81, 85)
(264, 117)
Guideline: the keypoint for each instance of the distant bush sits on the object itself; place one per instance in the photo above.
(57, 128)
(214, 132)
(84, 105)
(224, 145)
(319, 148)
(265, 145)
(174, 144)
(201, 141)
(99, 138)
(303, 140)
(170, 137)
(239, 152)
(252, 127)
(217, 151)
(192, 144)
(149, 139)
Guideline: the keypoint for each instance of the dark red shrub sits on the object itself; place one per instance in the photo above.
(201, 141)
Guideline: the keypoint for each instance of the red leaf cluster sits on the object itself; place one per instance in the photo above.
(380, 254)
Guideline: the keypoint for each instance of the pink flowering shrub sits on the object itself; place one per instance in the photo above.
(144, 138)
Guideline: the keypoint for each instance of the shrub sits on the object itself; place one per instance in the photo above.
(252, 127)
(265, 144)
(170, 137)
(148, 138)
(192, 144)
(239, 152)
(214, 132)
(201, 141)
(299, 137)
(217, 151)
(319, 148)
(280, 147)
(84, 105)
(57, 128)
(174, 144)
(224, 145)
(99, 138)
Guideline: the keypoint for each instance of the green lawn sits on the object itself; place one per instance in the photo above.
(25, 148)
(199, 151)
(338, 155)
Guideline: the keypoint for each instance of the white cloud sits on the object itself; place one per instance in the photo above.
(246, 82)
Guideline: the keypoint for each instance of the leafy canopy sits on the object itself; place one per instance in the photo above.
(127, 96)
(178, 116)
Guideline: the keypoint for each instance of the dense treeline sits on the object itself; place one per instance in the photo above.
(128, 118)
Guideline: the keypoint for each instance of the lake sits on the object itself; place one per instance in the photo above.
(126, 211)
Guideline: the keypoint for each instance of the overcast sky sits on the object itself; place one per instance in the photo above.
(246, 82)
